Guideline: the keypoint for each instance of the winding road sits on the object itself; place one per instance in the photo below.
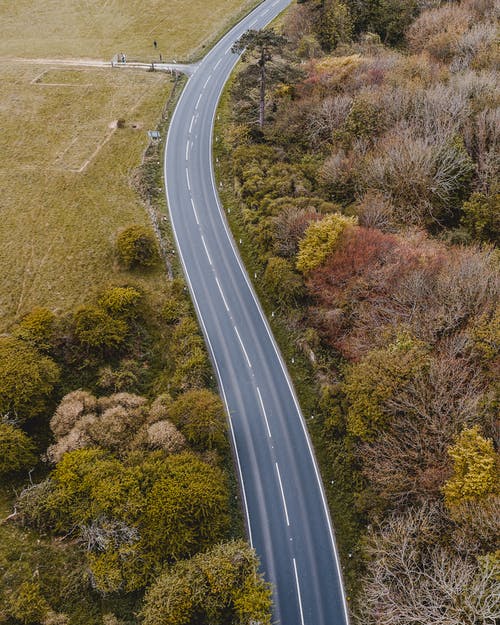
(286, 512)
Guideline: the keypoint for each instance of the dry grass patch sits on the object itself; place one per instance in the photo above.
(100, 29)
(65, 177)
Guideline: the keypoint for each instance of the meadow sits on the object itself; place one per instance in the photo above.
(66, 180)
(66, 167)
(101, 29)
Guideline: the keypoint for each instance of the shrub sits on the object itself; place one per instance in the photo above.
(407, 463)
(186, 510)
(485, 334)
(16, 449)
(38, 328)
(335, 24)
(427, 182)
(438, 30)
(481, 217)
(284, 285)
(387, 18)
(372, 383)
(365, 119)
(137, 247)
(199, 414)
(26, 379)
(320, 240)
(375, 210)
(97, 330)
(71, 408)
(338, 175)
(115, 427)
(81, 421)
(120, 301)
(475, 468)
(125, 377)
(179, 503)
(164, 435)
(26, 604)
(191, 363)
(392, 18)
(221, 584)
(407, 550)
(325, 117)
(291, 217)
(360, 253)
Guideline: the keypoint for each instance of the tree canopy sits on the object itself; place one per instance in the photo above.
(220, 586)
(132, 515)
(27, 379)
(16, 449)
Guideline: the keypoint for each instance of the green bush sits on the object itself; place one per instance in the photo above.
(16, 449)
(188, 350)
(134, 514)
(475, 469)
(481, 217)
(96, 329)
(26, 604)
(335, 25)
(199, 414)
(283, 284)
(220, 586)
(38, 328)
(136, 247)
(27, 379)
(370, 384)
(121, 301)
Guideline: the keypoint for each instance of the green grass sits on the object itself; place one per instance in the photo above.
(103, 28)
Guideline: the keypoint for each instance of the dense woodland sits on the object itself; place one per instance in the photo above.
(369, 198)
(119, 501)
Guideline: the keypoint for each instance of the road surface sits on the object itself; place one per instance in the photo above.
(286, 511)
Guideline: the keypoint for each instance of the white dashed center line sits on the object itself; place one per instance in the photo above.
(206, 248)
(264, 412)
(222, 294)
(243, 348)
(298, 592)
(282, 495)
(194, 211)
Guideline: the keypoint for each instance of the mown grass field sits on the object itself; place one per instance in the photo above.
(65, 174)
(102, 28)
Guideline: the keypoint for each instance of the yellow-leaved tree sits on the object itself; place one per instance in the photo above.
(475, 468)
(320, 240)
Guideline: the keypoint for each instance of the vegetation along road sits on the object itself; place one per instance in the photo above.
(287, 515)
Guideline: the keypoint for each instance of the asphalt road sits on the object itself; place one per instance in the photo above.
(287, 516)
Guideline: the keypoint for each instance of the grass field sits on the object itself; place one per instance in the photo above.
(65, 175)
(65, 168)
(102, 28)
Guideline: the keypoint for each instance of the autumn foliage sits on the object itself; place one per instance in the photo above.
(377, 179)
